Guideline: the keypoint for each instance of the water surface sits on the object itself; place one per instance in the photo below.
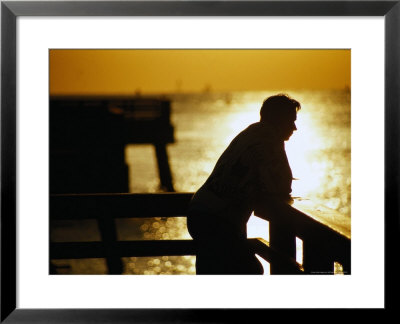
(319, 154)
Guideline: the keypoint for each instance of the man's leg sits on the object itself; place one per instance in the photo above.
(226, 257)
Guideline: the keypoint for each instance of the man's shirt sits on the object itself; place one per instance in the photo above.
(253, 166)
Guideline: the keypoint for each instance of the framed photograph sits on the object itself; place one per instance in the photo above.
(338, 58)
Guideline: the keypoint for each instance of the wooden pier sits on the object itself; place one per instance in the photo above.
(88, 136)
(324, 243)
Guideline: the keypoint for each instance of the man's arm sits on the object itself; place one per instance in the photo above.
(273, 173)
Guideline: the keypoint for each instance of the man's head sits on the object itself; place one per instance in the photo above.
(280, 112)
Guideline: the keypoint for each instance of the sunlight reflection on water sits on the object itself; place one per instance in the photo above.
(319, 154)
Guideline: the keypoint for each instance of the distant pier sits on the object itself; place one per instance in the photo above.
(88, 136)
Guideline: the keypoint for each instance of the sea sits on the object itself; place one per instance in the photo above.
(319, 154)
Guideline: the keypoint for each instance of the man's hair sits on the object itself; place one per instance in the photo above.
(276, 107)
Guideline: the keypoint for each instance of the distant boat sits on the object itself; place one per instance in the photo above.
(228, 98)
(207, 89)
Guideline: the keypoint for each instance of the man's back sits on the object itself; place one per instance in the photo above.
(254, 163)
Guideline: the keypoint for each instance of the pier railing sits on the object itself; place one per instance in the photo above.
(318, 240)
(322, 246)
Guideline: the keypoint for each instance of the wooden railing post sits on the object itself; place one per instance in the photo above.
(316, 260)
(164, 170)
(283, 241)
(345, 260)
(108, 232)
(322, 249)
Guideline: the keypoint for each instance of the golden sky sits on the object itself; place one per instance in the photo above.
(164, 71)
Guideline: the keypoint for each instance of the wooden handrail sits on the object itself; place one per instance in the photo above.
(322, 244)
(83, 250)
(92, 206)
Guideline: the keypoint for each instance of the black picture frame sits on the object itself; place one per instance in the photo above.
(10, 10)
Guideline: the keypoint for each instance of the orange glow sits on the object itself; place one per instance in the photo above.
(166, 71)
(205, 122)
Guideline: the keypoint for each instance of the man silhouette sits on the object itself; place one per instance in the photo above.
(253, 168)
